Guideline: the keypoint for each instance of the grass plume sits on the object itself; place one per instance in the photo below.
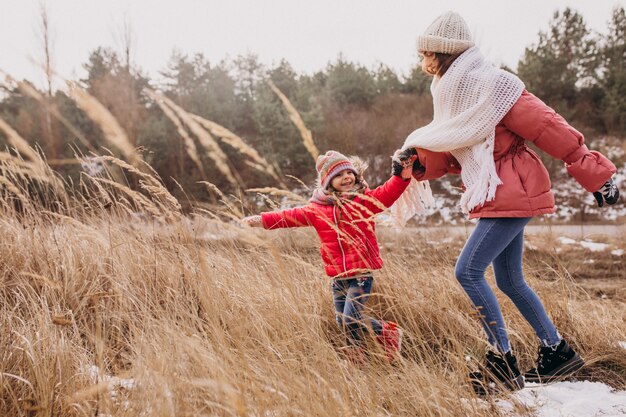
(113, 132)
(307, 136)
(278, 192)
(206, 140)
(258, 162)
(19, 143)
(27, 89)
(190, 145)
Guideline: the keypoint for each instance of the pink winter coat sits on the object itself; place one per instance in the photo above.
(347, 233)
(525, 189)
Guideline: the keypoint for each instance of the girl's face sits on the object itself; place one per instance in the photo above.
(344, 181)
(429, 62)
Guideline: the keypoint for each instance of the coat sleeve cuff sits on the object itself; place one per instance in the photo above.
(591, 170)
(265, 219)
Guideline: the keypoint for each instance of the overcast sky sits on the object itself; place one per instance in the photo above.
(308, 33)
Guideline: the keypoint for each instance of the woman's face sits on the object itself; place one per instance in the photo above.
(344, 181)
(429, 62)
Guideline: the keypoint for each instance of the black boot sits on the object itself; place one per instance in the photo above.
(554, 363)
(500, 372)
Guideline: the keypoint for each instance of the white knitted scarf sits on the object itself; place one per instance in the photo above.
(468, 101)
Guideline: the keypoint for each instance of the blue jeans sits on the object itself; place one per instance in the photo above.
(349, 297)
(501, 241)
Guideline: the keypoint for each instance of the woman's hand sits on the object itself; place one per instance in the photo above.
(405, 162)
(608, 193)
(252, 221)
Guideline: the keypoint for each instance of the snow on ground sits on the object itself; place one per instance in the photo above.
(566, 240)
(568, 399)
(114, 384)
(590, 245)
(593, 246)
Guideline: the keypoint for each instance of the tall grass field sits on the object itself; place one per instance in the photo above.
(114, 301)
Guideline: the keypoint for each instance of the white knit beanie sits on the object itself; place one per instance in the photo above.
(448, 34)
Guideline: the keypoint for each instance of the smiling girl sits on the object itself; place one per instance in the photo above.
(342, 211)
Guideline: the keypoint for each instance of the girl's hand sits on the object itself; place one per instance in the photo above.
(403, 160)
(252, 221)
(402, 163)
(407, 168)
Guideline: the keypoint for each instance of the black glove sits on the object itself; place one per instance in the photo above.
(405, 154)
(608, 192)
(400, 158)
(396, 168)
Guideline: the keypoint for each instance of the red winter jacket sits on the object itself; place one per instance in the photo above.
(347, 233)
(525, 189)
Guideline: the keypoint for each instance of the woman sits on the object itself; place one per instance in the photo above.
(483, 117)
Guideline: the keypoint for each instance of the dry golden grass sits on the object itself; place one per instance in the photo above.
(168, 205)
(112, 130)
(257, 161)
(305, 133)
(109, 312)
(27, 89)
(18, 175)
(114, 304)
(190, 145)
(19, 143)
(279, 193)
(204, 137)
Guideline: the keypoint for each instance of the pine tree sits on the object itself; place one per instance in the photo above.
(562, 63)
(613, 74)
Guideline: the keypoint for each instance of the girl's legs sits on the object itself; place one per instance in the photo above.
(349, 297)
(490, 238)
(507, 267)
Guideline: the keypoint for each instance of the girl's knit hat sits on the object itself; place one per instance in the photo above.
(448, 34)
(329, 165)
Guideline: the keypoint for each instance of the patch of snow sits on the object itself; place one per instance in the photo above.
(622, 344)
(566, 240)
(617, 252)
(587, 244)
(569, 399)
(93, 372)
(594, 246)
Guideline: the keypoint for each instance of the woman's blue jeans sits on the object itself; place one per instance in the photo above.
(349, 297)
(500, 241)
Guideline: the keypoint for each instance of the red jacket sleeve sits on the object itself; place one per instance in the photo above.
(380, 198)
(531, 119)
(295, 217)
(436, 164)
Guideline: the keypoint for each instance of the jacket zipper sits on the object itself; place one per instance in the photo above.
(343, 255)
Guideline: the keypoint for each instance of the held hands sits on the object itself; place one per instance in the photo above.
(403, 163)
(252, 221)
(607, 193)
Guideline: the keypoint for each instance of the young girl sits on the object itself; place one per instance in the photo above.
(483, 117)
(342, 211)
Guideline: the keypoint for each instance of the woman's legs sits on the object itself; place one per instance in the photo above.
(350, 296)
(490, 238)
(507, 267)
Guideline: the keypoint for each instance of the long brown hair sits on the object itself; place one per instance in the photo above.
(444, 62)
